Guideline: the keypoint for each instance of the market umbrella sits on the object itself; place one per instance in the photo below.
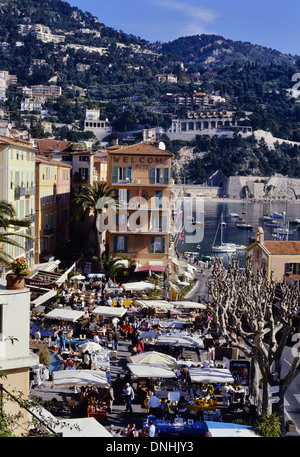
(91, 346)
(151, 370)
(153, 357)
(138, 286)
(80, 378)
(77, 278)
(179, 340)
(210, 375)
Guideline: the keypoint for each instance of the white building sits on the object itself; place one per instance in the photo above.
(16, 359)
(30, 104)
(93, 123)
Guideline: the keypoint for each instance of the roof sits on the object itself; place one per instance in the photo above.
(282, 247)
(52, 146)
(138, 148)
(5, 140)
(49, 161)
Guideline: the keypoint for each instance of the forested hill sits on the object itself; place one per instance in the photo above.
(210, 50)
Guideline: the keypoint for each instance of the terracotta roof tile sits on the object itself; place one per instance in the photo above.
(138, 148)
(50, 161)
(14, 142)
(283, 247)
(47, 146)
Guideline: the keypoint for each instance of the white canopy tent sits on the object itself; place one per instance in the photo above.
(153, 357)
(109, 311)
(45, 297)
(80, 378)
(230, 430)
(150, 370)
(65, 314)
(181, 340)
(83, 427)
(137, 286)
(211, 374)
(154, 304)
(91, 346)
(188, 304)
(77, 278)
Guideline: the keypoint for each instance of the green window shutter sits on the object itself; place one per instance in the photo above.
(129, 172)
(115, 243)
(166, 176)
(152, 244)
(152, 175)
(127, 195)
(126, 244)
(117, 193)
(158, 199)
(163, 244)
(115, 176)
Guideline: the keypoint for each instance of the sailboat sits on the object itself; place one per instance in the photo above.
(223, 247)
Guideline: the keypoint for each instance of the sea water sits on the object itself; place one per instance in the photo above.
(251, 212)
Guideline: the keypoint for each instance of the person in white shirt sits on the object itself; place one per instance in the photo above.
(129, 396)
(154, 405)
(226, 391)
(109, 301)
(151, 429)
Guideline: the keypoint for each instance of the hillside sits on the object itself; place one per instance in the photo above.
(46, 42)
(211, 50)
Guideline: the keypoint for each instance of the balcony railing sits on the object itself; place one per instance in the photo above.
(20, 191)
(49, 231)
(141, 181)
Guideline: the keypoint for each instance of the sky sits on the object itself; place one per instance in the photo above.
(270, 23)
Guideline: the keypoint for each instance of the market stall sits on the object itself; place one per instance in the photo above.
(137, 286)
(153, 357)
(110, 311)
(180, 339)
(151, 371)
(79, 378)
(64, 314)
(210, 375)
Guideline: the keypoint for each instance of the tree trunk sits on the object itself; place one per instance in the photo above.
(98, 245)
(265, 397)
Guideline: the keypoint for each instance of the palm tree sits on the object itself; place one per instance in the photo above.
(7, 221)
(112, 267)
(88, 202)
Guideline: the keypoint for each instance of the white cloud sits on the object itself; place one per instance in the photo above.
(192, 11)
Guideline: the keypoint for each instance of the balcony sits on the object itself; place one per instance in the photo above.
(30, 191)
(20, 191)
(80, 177)
(49, 231)
(142, 181)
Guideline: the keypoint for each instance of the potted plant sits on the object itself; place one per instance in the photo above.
(16, 279)
(290, 426)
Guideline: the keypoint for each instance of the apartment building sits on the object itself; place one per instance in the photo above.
(17, 186)
(53, 187)
(140, 175)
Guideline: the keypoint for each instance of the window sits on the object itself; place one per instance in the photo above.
(122, 174)
(158, 244)
(43, 197)
(120, 244)
(159, 175)
(293, 268)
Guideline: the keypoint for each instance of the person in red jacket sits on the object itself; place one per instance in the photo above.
(140, 345)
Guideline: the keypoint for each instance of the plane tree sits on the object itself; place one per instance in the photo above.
(257, 316)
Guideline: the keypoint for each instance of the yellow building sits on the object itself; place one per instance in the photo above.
(279, 258)
(17, 186)
(141, 175)
(52, 205)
